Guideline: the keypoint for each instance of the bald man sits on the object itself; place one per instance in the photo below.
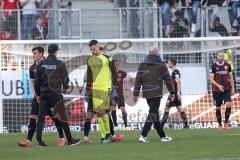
(150, 76)
(153, 51)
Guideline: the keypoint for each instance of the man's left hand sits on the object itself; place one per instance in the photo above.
(38, 99)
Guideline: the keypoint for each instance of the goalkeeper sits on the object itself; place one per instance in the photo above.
(99, 86)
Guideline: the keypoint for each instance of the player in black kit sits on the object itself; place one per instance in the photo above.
(175, 76)
(38, 57)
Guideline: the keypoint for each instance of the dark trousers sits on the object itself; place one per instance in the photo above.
(48, 102)
(153, 117)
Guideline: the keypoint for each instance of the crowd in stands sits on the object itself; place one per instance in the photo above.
(34, 18)
(173, 21)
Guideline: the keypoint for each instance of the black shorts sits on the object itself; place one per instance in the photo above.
(220, 97)
(34, 106)
(52, 103)
(119, 101)
(175, 103)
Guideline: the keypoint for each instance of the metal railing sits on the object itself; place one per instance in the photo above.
(128, 22)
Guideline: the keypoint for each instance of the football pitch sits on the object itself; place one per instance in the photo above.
(189, 144)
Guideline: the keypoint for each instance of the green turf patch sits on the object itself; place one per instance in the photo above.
(198, 144)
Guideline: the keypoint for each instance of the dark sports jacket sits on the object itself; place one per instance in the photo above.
(51, 75)
(150, 76)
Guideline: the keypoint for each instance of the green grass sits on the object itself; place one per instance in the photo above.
(202, 144)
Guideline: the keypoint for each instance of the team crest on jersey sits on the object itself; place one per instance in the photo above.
(226, 67)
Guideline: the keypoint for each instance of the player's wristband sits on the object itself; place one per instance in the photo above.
(114, 92)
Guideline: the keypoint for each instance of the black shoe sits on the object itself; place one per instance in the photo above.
(108, 137)
(186, 126)
(74, 142)
(41, 144)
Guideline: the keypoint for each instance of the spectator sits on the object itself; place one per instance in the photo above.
(215, 4)
(196, 4)
(134, 18)
(46, 14)
(29, 13)
(183, 4)
(183, 7)
(47, 6)
(180, 26)
(10, 15)
(220, 28)
(6, 35)
(238, 28)
(166, 14)
(39, 31)
(233, 13)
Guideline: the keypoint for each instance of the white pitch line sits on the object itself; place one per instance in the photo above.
(203, 113)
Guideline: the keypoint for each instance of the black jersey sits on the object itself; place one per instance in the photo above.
(32, 70)
(175, 77)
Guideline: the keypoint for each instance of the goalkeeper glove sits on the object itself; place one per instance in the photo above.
(114, 92)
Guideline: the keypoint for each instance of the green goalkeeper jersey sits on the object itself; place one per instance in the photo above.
(100, 76)
(101, 73)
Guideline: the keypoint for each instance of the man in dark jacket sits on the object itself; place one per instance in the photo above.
(38, 57)
(51, 80)
(219, 27)
(180, 26)
(150, 76)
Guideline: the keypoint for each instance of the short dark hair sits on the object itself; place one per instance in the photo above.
(179, 13)
(217, 19)
(92, 42)
(114, 60)
(173, 61)
(39, 17)
(39, 49)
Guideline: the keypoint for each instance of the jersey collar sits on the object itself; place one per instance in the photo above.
(220, 64)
